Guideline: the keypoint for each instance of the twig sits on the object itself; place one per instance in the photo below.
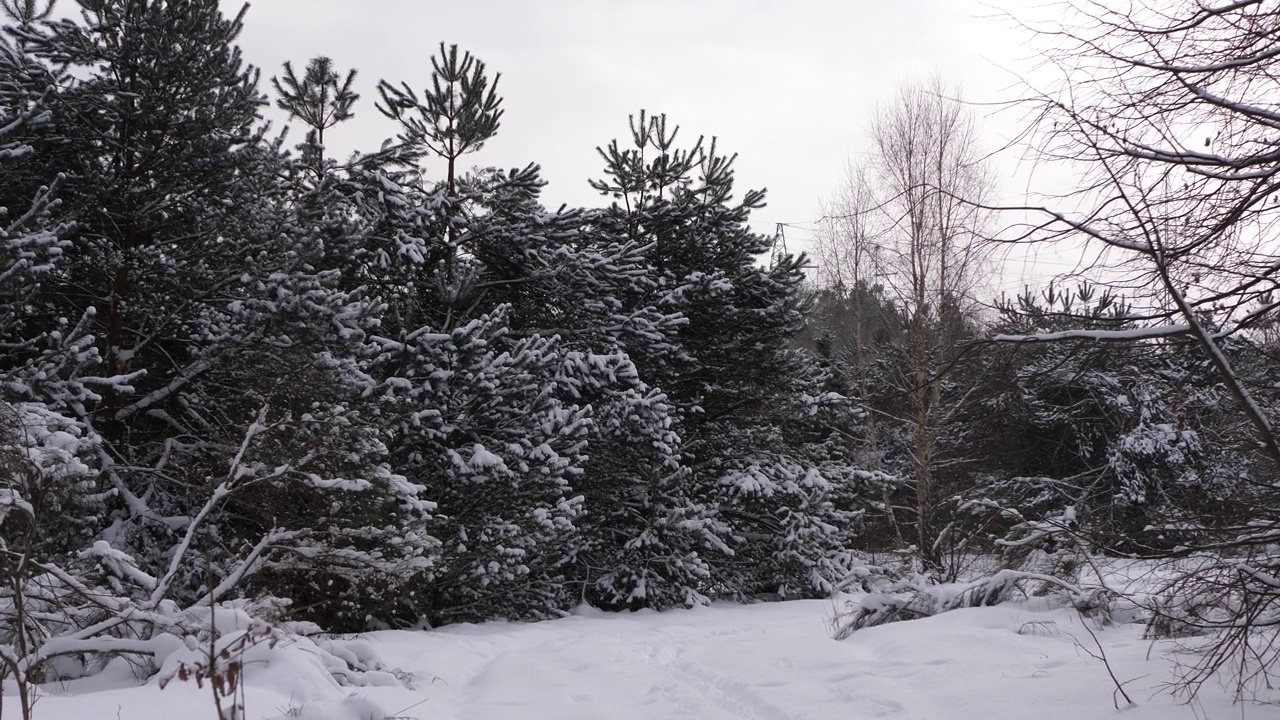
(1102, 655)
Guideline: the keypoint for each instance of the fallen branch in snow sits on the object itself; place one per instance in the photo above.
(919, 599)
(1225, 611)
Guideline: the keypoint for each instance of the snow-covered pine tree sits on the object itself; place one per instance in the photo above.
(589, 291)
(476, 409)
(50, 499)
(852, 329)
(761, 466)
(43, 348)
(227, 437)
(44, 353)
(1107, 440)
(481, 281)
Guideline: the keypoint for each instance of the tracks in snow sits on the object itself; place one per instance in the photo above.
(676, 666)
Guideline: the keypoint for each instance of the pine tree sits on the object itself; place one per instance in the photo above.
(320, 99)
(562, 282)
(455, 116)
(47, 357)
(224, 402)
(760, 490)
(1110, 436)
(51, 499)
(478, 403)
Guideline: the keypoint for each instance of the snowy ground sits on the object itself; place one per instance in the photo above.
(768, 661)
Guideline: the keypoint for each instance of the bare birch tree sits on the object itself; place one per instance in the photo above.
(846, 248)
(913, 216)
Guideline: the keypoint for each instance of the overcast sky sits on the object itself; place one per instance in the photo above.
(789, 85)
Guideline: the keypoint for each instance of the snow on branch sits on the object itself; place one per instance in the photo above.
(1129, 335)
(247, 566)
(161, 394)
(236, 474)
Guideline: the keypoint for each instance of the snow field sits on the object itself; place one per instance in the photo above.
(772, 661)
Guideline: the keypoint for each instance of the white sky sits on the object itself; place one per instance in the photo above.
(789, 85)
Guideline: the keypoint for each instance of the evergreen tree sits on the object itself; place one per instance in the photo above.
(761, 498)
(480, 407)
(1113, 441)
(561, 281)
(854, 328)
(49, 485)
(320, 99)
(221, 402)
